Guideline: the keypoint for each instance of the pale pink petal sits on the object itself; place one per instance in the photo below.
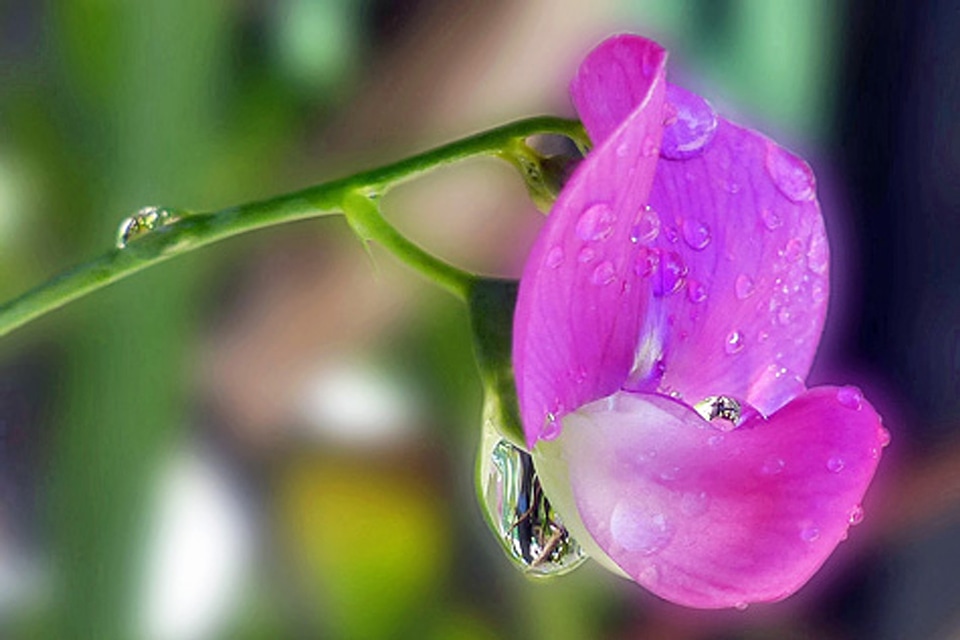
(711, 519)
(580, 307)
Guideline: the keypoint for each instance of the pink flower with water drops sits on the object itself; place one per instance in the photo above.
(668, 315)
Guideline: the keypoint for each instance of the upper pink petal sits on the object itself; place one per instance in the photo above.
(734, 245)
(580, 308)
(713, 519)
(612, 80)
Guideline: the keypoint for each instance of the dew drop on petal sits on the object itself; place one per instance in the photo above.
(818, 292)
(850, 397)
(696, 234)
(692, 126)
(646, 228)
(551, 427)
(647, 262)
(638, 530)
(649, 146)
(884, 436)
(741, 606)
(835, 464)
(596, 222)
(555, 257)
(772, 466)
(792, 176)
(694, 503)
(818, 256)
(794, 250)
(784, 315)
(810, 534)
(744, 286)
(733, 342)
(673, 272)
(604, 274)
(586, 255)
(771, 219)
(696, 291)
(856, 515)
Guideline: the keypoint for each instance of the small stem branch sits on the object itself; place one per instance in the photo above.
(189, 232)
(364, 216)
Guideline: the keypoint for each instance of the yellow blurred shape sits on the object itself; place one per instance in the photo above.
(371, 543)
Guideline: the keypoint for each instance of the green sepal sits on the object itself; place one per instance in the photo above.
(491, 303)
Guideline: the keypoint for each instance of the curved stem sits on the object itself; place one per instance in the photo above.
(188, 232)
(364, 216)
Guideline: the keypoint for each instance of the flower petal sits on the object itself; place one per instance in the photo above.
(744, 272)
(612, 80)
(580, 308)
(713, 519)
(735, 243)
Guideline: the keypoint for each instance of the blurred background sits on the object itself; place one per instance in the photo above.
(275, 437)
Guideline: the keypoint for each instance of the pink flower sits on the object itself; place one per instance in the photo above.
(682, 276)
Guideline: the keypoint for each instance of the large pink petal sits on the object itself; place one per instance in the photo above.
(744, 272)
(735, 243)
(580, 308)
(712, 519)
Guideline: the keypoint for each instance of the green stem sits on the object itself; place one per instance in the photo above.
(186, 233)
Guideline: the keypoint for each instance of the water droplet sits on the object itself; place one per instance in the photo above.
(694, 503)
(670, 474)
(596, 222)
(551, 427)
(670, 233)
(693, 125)
(673, 272)
(856, 515)
(884, 436)
(771, 219)
(835, 464)
(720, 408)
(733, 342)
(586, 255)
(715, 440)
(810, 534)
(818, 256)
(850, 397)
(741, 606)
(772, 466)
(528, 528)
(784, 315)
(696, 234)
(794, 250)
(639, 530)
(649, 146)
(646, 227)
(696, 291)
(555, 257)
(744, 286)
(649, 575)
(793, 176)
(604, 274)
(647, 262)
(623, 149)
(818, 292)
(145, 221)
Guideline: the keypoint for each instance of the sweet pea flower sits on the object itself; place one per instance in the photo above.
(667, 317)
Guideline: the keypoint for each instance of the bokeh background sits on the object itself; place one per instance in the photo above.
(275, 437)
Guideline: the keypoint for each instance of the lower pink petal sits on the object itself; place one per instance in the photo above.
(708, 518)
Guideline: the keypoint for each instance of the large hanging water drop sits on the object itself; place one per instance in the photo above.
(519, 513)
(145, 221)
